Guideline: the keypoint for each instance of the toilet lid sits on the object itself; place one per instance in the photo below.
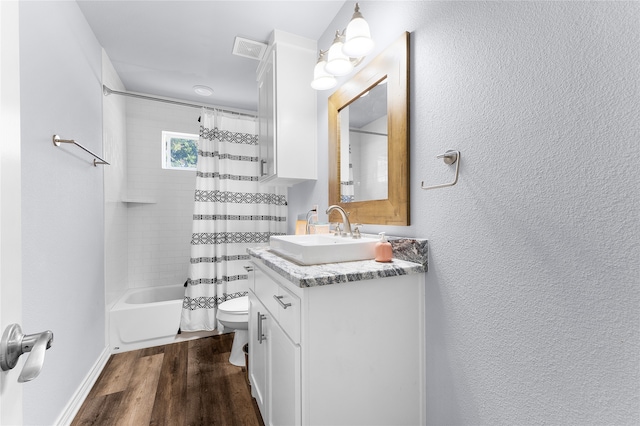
(239, 304)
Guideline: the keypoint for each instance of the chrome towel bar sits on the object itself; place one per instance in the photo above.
(449, 157)
(57, 141)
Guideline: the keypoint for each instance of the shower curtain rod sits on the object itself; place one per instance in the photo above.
(106, 91)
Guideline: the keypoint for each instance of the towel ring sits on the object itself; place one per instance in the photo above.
(449, 157)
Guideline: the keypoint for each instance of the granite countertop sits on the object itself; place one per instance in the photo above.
(410, 257)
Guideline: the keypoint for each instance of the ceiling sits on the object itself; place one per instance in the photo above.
(165, 48)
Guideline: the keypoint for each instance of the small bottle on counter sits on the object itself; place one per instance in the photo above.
(384, 253)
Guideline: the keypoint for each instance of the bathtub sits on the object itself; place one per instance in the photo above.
(146, 317)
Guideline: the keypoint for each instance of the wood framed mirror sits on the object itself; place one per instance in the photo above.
(369, 140)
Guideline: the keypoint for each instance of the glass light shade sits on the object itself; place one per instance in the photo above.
(322, 80)
(337, 62)
(358, 41)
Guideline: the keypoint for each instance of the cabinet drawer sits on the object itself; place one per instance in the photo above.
(265, 288)
(289, 317)
(283, 305)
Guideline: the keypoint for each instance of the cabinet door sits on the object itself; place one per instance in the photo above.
(284, 379)
(258, 352)
(267, 118)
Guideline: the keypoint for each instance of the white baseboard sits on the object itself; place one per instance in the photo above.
(73, 406)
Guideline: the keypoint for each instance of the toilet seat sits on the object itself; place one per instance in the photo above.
(234, 313)
(239, 305)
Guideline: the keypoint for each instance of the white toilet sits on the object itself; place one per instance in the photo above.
(234, 314)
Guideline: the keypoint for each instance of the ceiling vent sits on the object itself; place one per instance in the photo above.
(248, 48)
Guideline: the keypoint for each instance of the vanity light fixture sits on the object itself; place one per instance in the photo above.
(322, 80)
(338, 63)
(358, 41)
(347, 51)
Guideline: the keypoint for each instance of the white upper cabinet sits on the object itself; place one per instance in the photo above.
(287, 111)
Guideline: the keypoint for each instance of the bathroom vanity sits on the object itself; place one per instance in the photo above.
(340, 343)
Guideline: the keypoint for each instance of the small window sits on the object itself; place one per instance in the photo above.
(180, 150)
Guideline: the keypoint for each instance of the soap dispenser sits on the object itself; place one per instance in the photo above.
(383, 249)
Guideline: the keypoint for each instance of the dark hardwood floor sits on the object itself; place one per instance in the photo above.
(187, 383)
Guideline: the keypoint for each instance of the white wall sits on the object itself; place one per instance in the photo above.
(159, 234)
(62, 200)
(533, 284)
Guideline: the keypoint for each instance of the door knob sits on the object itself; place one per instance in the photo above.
(14, 343)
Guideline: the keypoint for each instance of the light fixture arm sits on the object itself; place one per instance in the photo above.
(357, 61)
(356, 12)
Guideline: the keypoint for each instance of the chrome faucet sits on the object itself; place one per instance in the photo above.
(310, 215)
(346, 225)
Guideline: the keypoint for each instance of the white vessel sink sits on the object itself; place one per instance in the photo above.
(315, 249)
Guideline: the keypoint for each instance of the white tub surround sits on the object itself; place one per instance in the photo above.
(352, 352)
(147, 317)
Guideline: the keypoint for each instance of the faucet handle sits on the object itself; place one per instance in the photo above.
(337, 232)
(356, 230)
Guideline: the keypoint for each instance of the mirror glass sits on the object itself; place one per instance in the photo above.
(368, 140)
(364, 147)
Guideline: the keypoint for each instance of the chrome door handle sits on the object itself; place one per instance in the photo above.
(248, 268)
(261, 336)
(279, 299)
(14, 343)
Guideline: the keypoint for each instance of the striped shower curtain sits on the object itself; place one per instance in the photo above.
(347, 191)
(232, 212)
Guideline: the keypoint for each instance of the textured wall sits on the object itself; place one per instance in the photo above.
(533, 289)
(62, 200)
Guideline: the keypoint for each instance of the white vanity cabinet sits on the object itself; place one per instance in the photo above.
(274, 355)
(287, 110)
(258, 352)
(339, 354)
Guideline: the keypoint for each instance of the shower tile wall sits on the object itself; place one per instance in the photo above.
(114, 134)
(159, 232)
